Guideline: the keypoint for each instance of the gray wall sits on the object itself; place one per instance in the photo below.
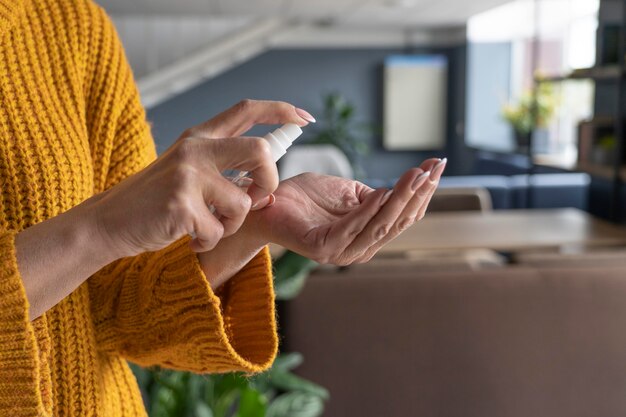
(301, 77)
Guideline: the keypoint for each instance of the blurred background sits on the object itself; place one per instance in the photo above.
(508, 298)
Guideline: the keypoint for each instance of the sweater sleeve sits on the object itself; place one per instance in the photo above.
(158, 308)
(24, 345)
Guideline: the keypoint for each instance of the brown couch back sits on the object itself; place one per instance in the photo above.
(460, 199)
(514, 342)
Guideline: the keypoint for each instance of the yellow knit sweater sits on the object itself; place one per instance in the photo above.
(71, 126)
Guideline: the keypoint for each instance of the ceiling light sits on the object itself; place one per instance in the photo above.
(401, 4)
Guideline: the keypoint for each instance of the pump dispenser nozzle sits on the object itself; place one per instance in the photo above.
(282, 138)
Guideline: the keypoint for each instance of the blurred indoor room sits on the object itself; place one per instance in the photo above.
(502, 293)
(507, 298)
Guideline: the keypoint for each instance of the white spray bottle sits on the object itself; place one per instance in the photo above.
(280, 140)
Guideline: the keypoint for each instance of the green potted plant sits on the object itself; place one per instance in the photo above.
(603, 152)
(338, 127)
(520, 115)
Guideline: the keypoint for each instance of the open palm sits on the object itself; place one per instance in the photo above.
(340, 221)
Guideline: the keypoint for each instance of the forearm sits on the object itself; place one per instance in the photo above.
(58, 255)
(234, 252)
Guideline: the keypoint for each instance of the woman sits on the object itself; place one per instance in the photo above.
(97, 264)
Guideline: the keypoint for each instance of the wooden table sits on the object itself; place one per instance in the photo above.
(507, 231)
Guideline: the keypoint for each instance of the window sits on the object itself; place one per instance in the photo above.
(500, 70)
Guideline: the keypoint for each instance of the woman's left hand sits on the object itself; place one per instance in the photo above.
(338, 221)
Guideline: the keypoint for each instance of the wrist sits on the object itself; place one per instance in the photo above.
(253, 231)
(56, 256)
(233, 252)
(102, 236)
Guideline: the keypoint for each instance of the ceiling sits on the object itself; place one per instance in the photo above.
(360, 12)
(173, 45)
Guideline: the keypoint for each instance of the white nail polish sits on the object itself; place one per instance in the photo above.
(386, 197)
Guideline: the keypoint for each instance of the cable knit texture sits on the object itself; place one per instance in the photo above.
(71, 126)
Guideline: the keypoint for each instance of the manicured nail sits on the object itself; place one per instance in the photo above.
(386, 197)
(305, 115)
(421, 179)
(272, 201)
(265, 203)
(438, 169)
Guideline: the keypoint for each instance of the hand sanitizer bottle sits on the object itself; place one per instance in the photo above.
(280, 140)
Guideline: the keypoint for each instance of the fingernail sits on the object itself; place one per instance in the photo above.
(272, 201)
(438, 169)
(305, 115)
(386, 197)
(264, 203)
(420, 180)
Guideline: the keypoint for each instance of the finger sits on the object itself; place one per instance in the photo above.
(230, 203)
(244, 115)
(266, 202)
(272, 200)
(380, 225)
(429, 164)
(244, 154)
(404, 220)
(413, 211)
(435, 177)
(207, 229)
(352, 224)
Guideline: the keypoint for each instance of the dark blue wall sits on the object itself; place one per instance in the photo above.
(302, 77)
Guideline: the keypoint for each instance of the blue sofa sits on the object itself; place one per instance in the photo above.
(546, 190)
(512, 192)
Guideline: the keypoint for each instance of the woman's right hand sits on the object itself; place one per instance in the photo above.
(153, 208)
(171, 197)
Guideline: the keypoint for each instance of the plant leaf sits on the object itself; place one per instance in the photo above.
(290, 273)
(287, 361)
(296, 404)
(203, 410)
(290, 382)
(252, 404)
(226, 391)
(346, 112)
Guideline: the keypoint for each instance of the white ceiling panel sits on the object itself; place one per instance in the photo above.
(171, 7)
(367, 12)
(422, 13)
